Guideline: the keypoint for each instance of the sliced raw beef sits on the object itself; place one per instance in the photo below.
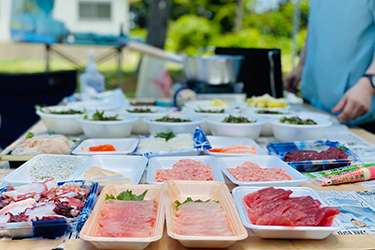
(249, 172)
(201, 219)
(186, 169)
(311, 155)
(270, 206)
(127, 218)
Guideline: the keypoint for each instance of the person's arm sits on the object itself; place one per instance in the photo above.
(293, 79)
(357, 100)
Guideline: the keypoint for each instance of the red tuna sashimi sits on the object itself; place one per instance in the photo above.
(127, 218)
(265, 208)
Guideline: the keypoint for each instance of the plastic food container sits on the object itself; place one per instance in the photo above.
(251, 130)
(168, 162)
(21, 175)
(131, 167)
(290, 132)
(52, 228)
(222, 141)
(264, 162)
(280, 149)
(267, 127)
(122, 146)
(140, 127)
(205, 127)
(200, 144)
(108, 129)
(174, 127)
(89, 230)
(61, 124)
(283, 232)
(213, 190)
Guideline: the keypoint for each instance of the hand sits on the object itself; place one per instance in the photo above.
(292, 80)
(356, 101)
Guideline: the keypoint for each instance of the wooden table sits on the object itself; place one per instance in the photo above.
(252, 242)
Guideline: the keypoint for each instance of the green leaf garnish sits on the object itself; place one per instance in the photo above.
(99, 116)
(189, 199)
(29, 135)
(166, 136)
(127, 196)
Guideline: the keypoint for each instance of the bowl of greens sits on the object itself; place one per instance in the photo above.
(61, 119)
(205, 112)
(236, 125)
(175, 123)
(269, 114)
(140, 127)
(102, 124)
(300, 128)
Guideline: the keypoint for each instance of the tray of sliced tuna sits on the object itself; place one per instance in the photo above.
(202, 214)
(195, 168)
(260, 170)
(126, 217)
(45, 209)
(287, 213)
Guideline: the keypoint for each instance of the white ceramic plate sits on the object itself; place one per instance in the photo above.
(123, 146)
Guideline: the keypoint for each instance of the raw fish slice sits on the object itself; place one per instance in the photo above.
(18, 207)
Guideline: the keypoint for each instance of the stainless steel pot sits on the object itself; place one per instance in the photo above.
(214, 70)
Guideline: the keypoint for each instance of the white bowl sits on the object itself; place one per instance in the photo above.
(290, 132)
(140, 127)
(205, 128)
(267, 127)
(122, 146)
(174, 127)
(108, 129)
(61, 124)
(95, 105)
(251, 130)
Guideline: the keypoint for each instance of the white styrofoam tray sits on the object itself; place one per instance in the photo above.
(263, 161)
(223, 141)
(123, 146)
(283, 232)
(131, 167)
(157, 163)
(22, 176)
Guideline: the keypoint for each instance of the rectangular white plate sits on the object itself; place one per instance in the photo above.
(283, 232)
(223, 141)
(157, 163)
(22, 176)
(123, 146)
(264, 162)
(131, 167)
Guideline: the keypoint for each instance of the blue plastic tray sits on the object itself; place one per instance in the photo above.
(200, 144)
(52, 229)
(280, 149)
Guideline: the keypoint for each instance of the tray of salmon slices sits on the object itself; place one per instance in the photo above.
(202, 214)
(126, 217)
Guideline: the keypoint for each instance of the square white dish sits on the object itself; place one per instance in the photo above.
(284, 232)
(223, 141)
(263, 161)
(157, 163)
(131, 167)
(22, 175)
(123, 146)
